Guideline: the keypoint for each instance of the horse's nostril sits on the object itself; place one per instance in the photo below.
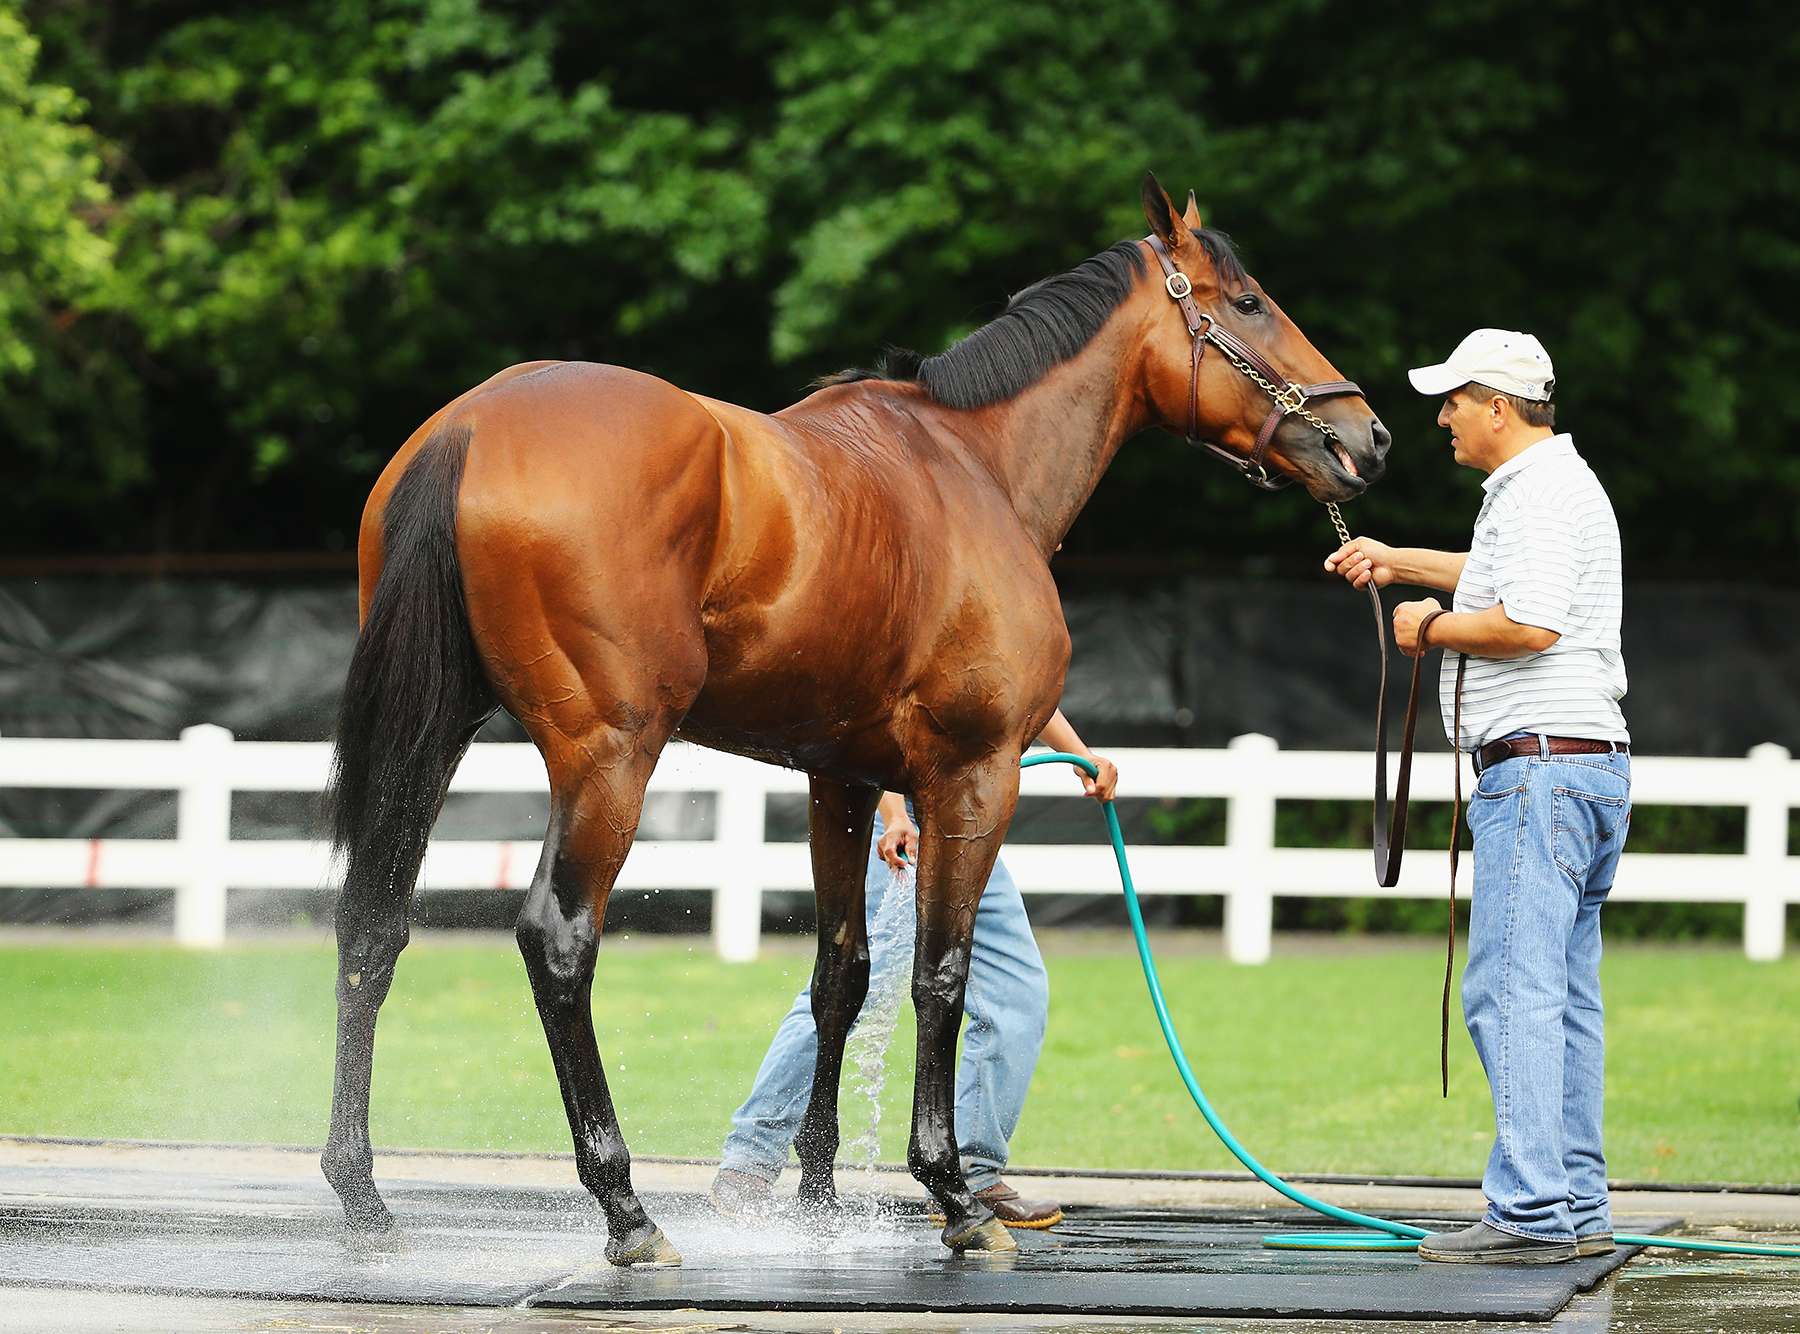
(1378, 435)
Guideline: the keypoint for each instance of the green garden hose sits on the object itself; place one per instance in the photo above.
(1383, 1234)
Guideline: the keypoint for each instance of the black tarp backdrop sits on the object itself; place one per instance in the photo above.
(1167, 660)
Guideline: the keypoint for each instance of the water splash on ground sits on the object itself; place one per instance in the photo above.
(861, 1224)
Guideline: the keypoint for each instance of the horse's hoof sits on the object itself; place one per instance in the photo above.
(828, 1217)
(989, 1234)
(642, 1249)
(368, 1213)
(376, 1245)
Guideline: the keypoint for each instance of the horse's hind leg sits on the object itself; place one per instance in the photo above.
(597, 782)
(371, 931)
(840, 819)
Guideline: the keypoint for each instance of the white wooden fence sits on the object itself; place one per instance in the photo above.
(207, 765)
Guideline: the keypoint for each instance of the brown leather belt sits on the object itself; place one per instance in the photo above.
(1512, 747)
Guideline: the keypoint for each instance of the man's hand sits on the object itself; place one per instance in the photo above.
(1362, 559)
(1101, 788)
(899, 845)
(1407, 617)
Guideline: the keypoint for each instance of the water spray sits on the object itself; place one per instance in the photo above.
(896, 919)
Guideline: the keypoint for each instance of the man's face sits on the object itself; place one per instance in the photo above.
(1464, 415)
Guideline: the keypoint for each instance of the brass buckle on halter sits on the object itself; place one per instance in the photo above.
(1178, 277)
(1291, 399)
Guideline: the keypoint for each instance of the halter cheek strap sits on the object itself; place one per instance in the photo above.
(1287, 396)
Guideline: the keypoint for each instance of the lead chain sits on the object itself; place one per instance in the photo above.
(1307, 415)
(1337, 522)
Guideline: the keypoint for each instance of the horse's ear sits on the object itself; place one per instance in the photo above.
(1159, 212)
(1192, 216)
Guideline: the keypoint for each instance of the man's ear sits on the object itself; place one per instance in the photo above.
(1159, 212)
(1192, 216)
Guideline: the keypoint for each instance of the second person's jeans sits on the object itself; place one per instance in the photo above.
(1007, 1004)
(1548, 834)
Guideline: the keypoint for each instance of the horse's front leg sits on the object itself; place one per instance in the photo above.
(840, 820)
(962, 823)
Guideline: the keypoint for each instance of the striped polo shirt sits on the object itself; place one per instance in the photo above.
(1546, 545)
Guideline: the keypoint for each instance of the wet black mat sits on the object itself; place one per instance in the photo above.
(471, 1246)
(1168, 1263)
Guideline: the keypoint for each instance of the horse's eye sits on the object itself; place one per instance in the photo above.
(1248, 305)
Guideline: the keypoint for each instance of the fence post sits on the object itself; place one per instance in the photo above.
(203, 830)
(737, 903)
(1765, 844)
(1250, 834)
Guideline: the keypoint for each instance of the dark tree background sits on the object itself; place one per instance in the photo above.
(245, 249)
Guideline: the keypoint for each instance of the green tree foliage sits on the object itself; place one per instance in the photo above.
(343, 213)
(48, 211)
(248, 248)
(943, 155)
(55, 264)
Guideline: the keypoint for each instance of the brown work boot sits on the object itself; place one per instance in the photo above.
(738, 1194)
(1015, 1210)
(1480, 1244)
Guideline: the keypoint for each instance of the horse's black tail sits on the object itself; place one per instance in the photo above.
(415, 691)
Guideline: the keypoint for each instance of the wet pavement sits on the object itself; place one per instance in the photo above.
(1630, 1302)
(494, 1231)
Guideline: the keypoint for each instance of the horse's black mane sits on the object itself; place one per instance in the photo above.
(1041, 327)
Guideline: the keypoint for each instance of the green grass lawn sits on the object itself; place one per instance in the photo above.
(1323, 1060)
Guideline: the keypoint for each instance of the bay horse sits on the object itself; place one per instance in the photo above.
(857, 586)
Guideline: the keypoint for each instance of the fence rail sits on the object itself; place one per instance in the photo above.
(207, 765)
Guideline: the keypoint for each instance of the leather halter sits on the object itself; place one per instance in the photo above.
(1288, 396)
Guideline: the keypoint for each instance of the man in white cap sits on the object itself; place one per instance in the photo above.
(1536, 614)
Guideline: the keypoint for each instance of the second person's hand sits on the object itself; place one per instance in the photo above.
(1102, 785)
(899, 845)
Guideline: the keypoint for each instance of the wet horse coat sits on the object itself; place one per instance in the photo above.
(856, 586)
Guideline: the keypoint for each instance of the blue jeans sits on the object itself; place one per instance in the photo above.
(1548, 834)
(1007, 1004)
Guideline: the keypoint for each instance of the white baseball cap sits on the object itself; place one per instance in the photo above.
(1504, 359)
